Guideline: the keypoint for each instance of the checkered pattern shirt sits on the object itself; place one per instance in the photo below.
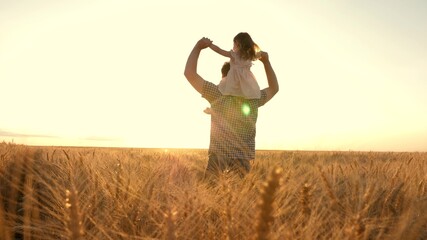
(233, 123)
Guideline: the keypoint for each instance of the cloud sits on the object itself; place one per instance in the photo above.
(13, 134)
(90, 138)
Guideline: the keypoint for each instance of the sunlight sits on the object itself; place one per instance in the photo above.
(110, 77)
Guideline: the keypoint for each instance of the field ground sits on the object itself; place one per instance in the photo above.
(115, 193)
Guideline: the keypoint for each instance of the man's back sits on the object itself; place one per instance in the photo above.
(233, 123)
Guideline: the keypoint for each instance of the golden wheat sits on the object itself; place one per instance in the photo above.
(155, 194)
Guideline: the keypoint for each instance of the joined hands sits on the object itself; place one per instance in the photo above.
(204, 43)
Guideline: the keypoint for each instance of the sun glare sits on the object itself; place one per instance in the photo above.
(246, 109)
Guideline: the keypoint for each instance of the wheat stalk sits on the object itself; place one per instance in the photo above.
(265, 206)
(17, 173)
(336, 204)
(170, 223)
(392, 199)
(4, 229)
(74, 224)
(28, 205)
(356, 230)
(227, 213)
(304, 200)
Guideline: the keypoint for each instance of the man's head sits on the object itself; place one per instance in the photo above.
(225, 68)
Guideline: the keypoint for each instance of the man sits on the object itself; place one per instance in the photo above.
(233, 119)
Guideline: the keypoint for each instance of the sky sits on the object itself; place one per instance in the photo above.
(352, 74)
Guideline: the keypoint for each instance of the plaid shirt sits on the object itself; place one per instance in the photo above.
(233, 123)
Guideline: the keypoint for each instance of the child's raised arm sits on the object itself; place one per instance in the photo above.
(220, 51)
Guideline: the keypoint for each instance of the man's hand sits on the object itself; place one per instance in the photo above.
(264, 57)
(204, 43)
(190, 71)
(273, 85)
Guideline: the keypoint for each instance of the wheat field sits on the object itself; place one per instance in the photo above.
(116, 193)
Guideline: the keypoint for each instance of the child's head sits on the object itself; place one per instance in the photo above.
(245, 46)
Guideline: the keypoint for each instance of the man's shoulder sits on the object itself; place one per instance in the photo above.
(207, 84)
(210, 91)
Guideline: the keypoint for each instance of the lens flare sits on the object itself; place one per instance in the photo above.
(246, 109)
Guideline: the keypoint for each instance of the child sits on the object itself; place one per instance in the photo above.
(240, 81)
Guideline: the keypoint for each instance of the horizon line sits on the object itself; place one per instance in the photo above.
(206, 149)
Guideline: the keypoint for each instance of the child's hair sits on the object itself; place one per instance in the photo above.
(248, 49)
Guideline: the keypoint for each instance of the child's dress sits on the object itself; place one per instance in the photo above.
(240, 81)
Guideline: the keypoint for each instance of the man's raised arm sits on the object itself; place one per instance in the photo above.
(190, 71)
(273, 85)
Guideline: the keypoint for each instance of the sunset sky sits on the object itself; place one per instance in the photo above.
(352, 74)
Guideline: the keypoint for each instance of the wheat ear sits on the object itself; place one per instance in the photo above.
(265, 206)
(170, 220)
(75, 229)
(305, 200)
